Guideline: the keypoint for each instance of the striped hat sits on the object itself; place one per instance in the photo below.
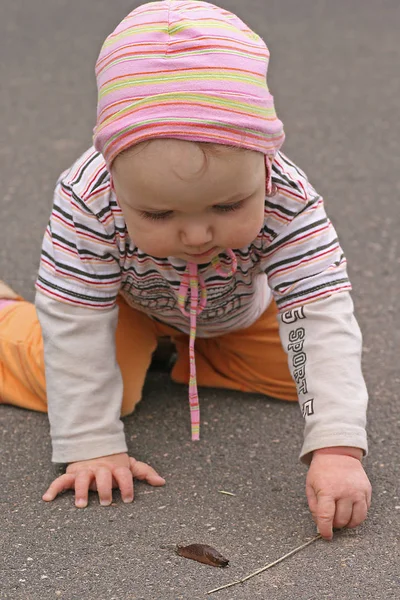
(184, 69)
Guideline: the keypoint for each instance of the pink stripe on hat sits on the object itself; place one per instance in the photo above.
(187, 70)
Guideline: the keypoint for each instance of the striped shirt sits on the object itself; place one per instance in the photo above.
(88, 257)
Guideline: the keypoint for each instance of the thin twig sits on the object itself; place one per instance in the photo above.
(314, 539)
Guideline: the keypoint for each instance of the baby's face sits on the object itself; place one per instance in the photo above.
(177, 203)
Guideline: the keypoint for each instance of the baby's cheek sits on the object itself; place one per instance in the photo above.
(158, 246)
(245, 230)
(154, 240)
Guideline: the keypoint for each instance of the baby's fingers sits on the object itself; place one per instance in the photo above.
(325, 514)
(124, 480)
(141, 470)
(312, 501)
(83, 480)
(62, 483)
(343, 514)
(360, 510)
(104, 484)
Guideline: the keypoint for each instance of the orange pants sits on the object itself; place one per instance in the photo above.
(249, 360)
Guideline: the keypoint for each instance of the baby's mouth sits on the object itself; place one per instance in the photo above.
(203, 254)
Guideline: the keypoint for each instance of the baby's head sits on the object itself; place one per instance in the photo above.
(190, 200)
(187, 127)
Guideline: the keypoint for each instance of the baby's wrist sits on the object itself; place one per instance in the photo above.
(340, 451)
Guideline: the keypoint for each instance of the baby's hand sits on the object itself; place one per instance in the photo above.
(102, 475)
(338, 489)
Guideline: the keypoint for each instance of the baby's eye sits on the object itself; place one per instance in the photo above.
(156, 216)
(228, 207)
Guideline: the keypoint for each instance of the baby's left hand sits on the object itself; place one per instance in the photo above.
(338, 491)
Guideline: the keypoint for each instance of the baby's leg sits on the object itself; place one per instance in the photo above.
(7, 295)
(249, 360)
(22, 381)
(136, 340)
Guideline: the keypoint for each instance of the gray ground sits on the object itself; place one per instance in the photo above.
(335, 76)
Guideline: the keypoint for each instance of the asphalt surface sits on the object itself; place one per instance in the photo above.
(335, 76)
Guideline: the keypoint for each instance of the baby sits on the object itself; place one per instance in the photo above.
(186, 220)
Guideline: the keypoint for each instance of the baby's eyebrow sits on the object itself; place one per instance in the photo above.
(235, 198)
(231, 200)
(144, 208)
(238, 197)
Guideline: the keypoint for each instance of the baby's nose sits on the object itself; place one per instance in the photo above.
(197, 236)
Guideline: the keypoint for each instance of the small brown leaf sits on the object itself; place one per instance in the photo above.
(202, 553)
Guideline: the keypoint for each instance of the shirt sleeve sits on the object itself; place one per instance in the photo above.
(307, 273)
(83, 380)
(301, 254)
(323, 343)
(83, 248)
(77, 285)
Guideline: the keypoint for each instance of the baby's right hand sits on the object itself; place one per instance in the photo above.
(102, 475)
